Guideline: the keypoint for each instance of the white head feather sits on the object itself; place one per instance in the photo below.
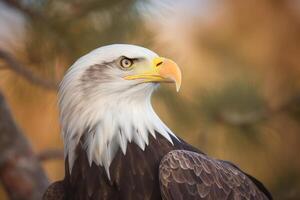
(97, 104)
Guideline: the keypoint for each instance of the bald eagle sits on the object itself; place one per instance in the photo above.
(116, 147)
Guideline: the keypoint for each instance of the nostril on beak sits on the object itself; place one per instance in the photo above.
(159, 64)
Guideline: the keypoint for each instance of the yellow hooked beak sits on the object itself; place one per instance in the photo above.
(161, 70)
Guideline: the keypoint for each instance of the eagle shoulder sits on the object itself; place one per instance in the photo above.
(190, 175)
(56, 191)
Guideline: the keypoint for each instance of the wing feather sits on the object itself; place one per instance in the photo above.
(190, 175)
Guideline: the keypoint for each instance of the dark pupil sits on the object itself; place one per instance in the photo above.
(126, 62)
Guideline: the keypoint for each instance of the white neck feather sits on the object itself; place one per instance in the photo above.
(109, 123)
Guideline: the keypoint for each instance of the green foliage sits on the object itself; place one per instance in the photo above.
(237, 104)
(287, 185)
(62, 31)
(183, 112)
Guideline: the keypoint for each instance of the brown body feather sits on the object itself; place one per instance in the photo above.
(135, 176)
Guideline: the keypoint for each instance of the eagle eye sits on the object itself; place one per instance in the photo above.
(126, 63)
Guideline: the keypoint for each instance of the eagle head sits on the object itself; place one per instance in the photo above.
(105, 101)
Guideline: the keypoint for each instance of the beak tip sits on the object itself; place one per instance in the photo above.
(177, 87)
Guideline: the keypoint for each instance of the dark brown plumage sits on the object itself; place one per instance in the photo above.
(159, 172)
(55, 191)
(189, 175)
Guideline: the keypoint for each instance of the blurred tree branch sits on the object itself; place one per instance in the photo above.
(51, 154)
(23, 71)
(20, 172)
(54, 29)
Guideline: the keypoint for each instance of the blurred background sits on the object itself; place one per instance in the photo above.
(240, 95)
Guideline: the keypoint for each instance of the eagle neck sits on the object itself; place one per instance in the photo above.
(108, 125)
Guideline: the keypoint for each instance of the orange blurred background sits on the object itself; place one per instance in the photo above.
(240, 95)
